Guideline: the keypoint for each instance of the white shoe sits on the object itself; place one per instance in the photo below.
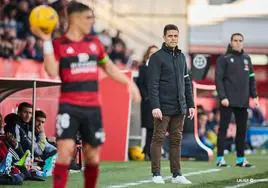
(158, 180)
(180, 179)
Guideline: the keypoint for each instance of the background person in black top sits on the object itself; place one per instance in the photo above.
(146, 109)
(235, 84)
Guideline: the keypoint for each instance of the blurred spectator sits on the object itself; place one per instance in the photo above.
(255, 117)
(30, 51)
(146, 109)
(117, 54)
(10, 13)
(213, 120)
(22, 18)
(106, 40)
(18, 47)
(202, 132)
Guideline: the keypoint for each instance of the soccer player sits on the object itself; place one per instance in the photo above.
(76, 57)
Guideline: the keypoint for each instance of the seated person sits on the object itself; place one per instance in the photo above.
(15, 135)
(255, 117)
(202, 130)
(42, 147)
(25, 116)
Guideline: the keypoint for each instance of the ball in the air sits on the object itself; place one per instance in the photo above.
(44, 17)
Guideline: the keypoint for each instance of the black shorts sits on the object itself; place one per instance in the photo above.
(87, 121)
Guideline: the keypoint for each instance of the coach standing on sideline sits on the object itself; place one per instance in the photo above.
(235, 83)
(170, 94)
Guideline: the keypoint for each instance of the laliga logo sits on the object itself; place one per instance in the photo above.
(200, 61)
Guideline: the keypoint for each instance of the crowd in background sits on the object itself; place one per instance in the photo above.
(17, 41)
(208, 125)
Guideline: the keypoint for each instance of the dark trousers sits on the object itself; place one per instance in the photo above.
(241, 116)
(174, 125)
(147, 147)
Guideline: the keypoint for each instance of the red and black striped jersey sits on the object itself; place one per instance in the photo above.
(78, 69)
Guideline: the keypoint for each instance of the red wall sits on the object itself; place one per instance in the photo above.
(115, 108)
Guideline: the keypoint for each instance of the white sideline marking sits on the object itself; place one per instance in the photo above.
(248, 183)
(165, 178)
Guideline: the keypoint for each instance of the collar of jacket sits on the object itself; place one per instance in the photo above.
(170, 50)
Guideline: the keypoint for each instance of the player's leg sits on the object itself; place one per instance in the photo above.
(67, 127)
(92, 162)
(241, 117)
(92, 136)
(61, 170)
(160, 128)
(225, 117)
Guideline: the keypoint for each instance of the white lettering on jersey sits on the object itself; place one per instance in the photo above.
(83, 65)
(83, 57)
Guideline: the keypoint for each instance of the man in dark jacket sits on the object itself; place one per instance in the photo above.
(235, 84)
(170, 94)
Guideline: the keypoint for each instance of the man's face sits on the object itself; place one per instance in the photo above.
(84, 21)
(26, 114)
(39, 124)
(171, 38)
(237, 43)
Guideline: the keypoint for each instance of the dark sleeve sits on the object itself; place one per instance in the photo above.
(24, 140)
(142, 84)
(154, 72)
(219, 76)
(188, 87)
(252, 82)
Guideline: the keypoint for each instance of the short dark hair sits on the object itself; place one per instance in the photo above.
(11, 118)
(170, 27)
(236, 34)
(74, 7)
(24, 105)
(40, 113)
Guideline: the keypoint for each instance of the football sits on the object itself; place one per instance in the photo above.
(136, 154)
(44, 17)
